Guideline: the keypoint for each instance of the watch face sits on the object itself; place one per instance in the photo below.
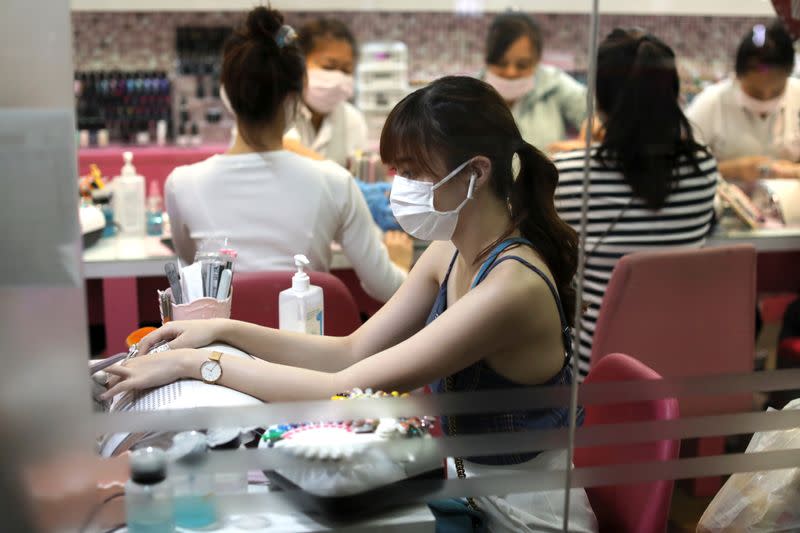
(210, 371)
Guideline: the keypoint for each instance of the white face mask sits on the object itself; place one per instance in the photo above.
(760, 107)
(412, 205)
(510, 89)
(327, 89)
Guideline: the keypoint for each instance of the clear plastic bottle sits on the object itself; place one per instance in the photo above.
(148, 493)
(128, 198)
(155, 210)
(300, 308)
(194, 504)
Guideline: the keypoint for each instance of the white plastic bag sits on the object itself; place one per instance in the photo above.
(756, 502)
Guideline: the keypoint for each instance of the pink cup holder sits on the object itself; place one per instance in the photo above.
(201, 308)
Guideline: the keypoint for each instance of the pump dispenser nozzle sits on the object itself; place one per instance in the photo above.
(300, 281)
(128, 169)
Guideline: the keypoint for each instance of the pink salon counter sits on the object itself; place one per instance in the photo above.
(153, 162)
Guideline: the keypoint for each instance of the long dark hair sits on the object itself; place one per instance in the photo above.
(646, 132)
(258, 71)
(458, 118)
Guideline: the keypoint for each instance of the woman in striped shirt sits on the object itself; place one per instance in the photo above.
(651, 186)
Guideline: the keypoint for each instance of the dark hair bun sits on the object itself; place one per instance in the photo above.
(258, 74)
(263, 23)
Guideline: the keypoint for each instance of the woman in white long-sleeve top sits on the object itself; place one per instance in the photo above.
(270, 202)
(326, 122)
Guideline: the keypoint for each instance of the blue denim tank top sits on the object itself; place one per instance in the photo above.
(479, 376)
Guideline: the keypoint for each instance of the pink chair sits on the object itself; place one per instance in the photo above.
(643, 507)
(255, 299)
(685, 313)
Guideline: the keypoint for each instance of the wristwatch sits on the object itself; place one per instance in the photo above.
(211, 370)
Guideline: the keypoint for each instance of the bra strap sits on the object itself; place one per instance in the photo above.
(565, 329)
(497, 250)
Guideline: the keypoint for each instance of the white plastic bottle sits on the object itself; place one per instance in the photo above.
(128, 199)
(300, 308)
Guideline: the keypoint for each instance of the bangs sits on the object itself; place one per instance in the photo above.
(407, 138)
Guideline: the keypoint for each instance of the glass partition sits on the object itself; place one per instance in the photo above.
(683, 236)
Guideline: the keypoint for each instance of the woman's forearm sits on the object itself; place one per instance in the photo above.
(744, 168)
(316, 352)
(266, 381)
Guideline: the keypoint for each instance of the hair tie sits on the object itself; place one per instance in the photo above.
(285, 35)
(759, 35)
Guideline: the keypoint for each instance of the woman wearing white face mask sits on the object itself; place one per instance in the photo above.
(545, 101)
(326, 122)
(751, 122)
(486, 307)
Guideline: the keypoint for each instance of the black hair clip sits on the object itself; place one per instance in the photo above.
(285, 35)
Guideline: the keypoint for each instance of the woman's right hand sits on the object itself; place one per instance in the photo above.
(183, 334)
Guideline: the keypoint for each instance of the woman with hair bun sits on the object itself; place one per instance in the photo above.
(273, 203)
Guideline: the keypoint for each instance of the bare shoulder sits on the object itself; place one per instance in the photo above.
(435, 260)
(525, 284)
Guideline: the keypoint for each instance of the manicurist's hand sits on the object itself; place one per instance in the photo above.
(401, 249)
(184, 334)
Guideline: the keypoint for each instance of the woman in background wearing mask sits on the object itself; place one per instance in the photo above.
(485, 307)
(546, 102)
(270, 202)
(751, 122)
(327, 123)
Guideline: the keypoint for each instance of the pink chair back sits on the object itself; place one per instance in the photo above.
(684, 313)
(255, 299)
(639, 508)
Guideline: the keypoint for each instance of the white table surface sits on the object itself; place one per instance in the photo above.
(142, 256)
(126, 257)
(765, 240)
(276, 515)
(408, 519)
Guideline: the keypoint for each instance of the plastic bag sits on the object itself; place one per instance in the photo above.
(755, 502)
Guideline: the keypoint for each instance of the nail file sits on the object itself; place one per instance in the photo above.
(206, 273)
(215, 273)
(174, 279)
(224, 284)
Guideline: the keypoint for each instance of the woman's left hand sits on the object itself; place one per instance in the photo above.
(147, 371)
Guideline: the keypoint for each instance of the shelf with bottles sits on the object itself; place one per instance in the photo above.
(200, 115)
(123, 107)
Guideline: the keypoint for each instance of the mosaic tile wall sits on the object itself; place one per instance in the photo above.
(439, 43)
